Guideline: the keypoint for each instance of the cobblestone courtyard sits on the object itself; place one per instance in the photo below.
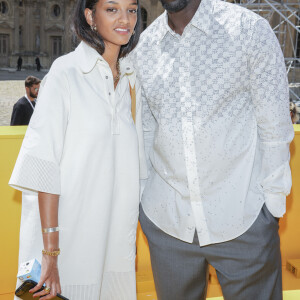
(11, 89)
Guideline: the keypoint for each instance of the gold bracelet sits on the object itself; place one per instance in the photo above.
(51, 253)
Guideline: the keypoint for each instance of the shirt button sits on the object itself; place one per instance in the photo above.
(106, 77)
(128, 68)
(109, 93)
(190, 228)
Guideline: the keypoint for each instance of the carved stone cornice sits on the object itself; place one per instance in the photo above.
(54, 27)
(6, 25)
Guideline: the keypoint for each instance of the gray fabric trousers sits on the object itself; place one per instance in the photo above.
(248, 267)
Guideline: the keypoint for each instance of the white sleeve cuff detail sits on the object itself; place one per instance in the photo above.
(276, 204)
(36, 175)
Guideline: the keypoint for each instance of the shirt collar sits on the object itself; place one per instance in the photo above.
(201, 20)
(30, 102)
(28, 98)
(203, 16)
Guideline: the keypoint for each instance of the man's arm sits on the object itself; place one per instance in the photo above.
(270, 96)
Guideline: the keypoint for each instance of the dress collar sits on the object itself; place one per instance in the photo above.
(88, 57)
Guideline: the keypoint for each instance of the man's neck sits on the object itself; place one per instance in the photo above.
(30, 98)
(178, 20)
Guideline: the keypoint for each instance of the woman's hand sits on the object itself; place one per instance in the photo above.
(50, 277)
(48, 206)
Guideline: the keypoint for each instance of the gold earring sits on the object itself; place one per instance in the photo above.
(93, 27)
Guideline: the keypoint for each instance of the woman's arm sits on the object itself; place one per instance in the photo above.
(48, 205)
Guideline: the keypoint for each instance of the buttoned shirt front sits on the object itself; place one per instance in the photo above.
(216, 123)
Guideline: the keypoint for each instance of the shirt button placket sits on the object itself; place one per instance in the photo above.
(187, 107)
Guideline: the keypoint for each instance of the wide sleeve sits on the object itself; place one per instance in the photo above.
(38, 165)
(270, 95)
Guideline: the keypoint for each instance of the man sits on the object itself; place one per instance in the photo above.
(38, 64)
(217, 129)
(23, 109)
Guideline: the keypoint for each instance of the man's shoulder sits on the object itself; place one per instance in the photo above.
(151, 33)
(21, 102)
(148, 42)
(231, 13)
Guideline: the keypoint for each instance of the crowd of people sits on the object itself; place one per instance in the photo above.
(193, 116)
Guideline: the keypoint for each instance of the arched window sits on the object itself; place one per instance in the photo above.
(56, 10)
(3, 7)
(144, 18)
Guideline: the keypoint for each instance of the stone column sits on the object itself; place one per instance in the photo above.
(16, 45)
(28, 26)
(43, 44)
(67, 18)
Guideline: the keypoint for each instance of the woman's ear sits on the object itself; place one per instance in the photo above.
(88, 16)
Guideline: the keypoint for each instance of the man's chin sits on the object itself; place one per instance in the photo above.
(175, 5)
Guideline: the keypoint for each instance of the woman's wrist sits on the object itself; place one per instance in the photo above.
(54, 252)
(50, 229)
(51, 241)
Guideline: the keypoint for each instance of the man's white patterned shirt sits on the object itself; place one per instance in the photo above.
(216, 123)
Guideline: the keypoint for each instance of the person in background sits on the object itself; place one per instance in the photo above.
(79, 164)
(217, 127)
(38, 64)
(24, 107)
(295, 112)
(19, 63)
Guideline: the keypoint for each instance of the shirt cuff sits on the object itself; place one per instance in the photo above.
(33, 174)
(276, 204)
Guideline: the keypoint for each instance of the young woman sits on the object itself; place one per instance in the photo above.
(79, 164)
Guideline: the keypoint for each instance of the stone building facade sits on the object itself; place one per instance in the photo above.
(31, 28)
(41, 28)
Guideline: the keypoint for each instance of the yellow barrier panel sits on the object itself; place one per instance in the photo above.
(10, 143)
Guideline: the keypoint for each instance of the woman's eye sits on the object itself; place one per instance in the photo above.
(133, 11)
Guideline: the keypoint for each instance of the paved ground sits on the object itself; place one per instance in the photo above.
(11, 89)
(12, 74)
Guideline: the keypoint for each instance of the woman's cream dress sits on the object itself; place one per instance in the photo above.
(82, 144)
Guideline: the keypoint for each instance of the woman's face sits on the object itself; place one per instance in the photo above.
(115, 20)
